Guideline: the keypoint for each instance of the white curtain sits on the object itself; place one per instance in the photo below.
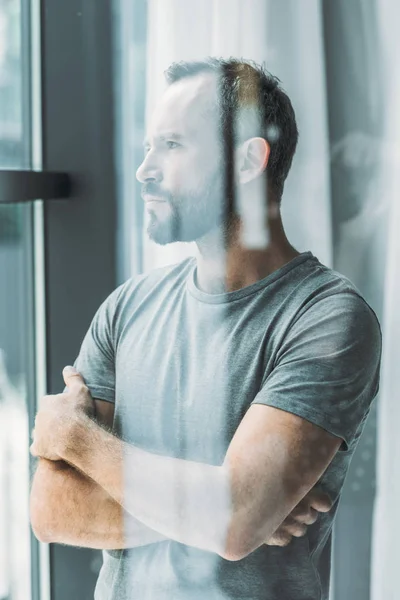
(386, 529)
(286, 36)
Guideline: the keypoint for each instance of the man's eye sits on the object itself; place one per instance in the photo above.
(171, 144)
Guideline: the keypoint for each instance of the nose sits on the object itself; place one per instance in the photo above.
(149, 170)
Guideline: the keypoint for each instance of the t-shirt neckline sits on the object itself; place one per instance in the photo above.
(227, 297)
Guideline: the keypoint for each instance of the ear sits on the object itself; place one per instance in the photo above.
(252, 159)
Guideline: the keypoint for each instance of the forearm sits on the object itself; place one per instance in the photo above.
(69, 508)
(186, 501)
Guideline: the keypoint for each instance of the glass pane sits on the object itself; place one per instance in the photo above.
(15, 346)
(14, 141)
(338, 198)
(16, 313)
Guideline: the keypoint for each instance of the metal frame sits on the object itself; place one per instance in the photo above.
(40, 556)
(80, 257)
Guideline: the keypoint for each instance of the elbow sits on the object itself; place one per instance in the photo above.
(40, 520)
(233, 557)
(245, 535)
(42, 502)
(233, 554)
(239, 544)
(41, 530)
(41, 534)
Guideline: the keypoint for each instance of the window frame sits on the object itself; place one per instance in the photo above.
(78, 247)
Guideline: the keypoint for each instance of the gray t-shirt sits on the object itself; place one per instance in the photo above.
(183, 367)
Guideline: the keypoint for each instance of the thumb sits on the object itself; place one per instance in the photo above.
(72, 376)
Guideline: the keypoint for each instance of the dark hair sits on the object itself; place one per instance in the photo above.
(250, 91)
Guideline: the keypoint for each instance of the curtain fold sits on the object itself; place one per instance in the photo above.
(356, 104)
(386, 525)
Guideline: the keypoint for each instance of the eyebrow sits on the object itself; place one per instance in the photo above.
(168, 135)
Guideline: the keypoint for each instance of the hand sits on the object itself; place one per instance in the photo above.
(304, 514)
(58, 413)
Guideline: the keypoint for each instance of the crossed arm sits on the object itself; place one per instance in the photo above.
(69, 507)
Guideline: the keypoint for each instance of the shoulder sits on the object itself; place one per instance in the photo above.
(328, 292)
(143, 287)
(331, 312)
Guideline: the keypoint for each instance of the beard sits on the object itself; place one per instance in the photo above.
(193, 215)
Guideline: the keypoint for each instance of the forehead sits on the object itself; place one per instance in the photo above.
(188, 107)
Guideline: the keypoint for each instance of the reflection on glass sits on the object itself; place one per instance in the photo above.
(15, 307)
(12, 138)
(14, 428)
(336, 199)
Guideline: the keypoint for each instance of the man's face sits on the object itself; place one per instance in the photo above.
(182, 172)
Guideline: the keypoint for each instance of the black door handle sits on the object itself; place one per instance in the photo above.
(23, 186)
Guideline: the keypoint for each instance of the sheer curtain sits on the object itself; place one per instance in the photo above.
(336, 60)
(288, 37)
(386, 526)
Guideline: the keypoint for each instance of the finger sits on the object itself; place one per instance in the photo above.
(320, 501)
(279, 538)
(293, 528)
(72, 377)
(304, 513)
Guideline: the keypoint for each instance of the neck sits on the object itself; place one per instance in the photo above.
(224, 264)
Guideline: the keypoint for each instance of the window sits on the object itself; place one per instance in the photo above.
(16, 319)
(333, 205)
(78, 82)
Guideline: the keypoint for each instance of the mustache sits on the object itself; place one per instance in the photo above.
(152, 189)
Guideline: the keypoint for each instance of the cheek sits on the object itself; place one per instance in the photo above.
(180, 174)
(189, 172)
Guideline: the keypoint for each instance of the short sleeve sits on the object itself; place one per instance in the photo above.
(327, 369)
(96, 358)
